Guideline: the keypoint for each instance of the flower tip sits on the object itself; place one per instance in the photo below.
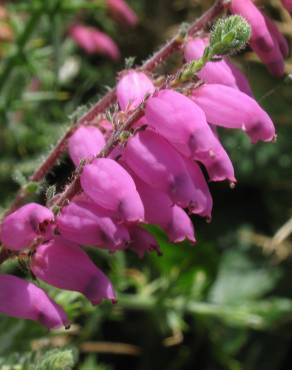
(209, 219)
(232, 184)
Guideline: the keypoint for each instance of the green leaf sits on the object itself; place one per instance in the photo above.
(57, 359)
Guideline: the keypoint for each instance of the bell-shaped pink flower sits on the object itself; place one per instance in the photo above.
(85, 143)
(183, 123)
(66, 266)
(288, 5)
(278, 37)
(110, 186)
(262, 40)
(22, 299)
(160, 210)
(93, 41)
(142, 242)
(222, 72)
(132, 89)
(231, 108)
(85, 223)
(158, 164)
(20, 228)
(121, 11)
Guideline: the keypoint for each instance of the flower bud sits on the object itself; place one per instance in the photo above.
(229, 35)
(85, 223)
(85, 143)
(21, 299)
(121, 11)
(94, 41)
(20, 228)
(66, 266)
(219, 72)
(111, 187)
(132, 89)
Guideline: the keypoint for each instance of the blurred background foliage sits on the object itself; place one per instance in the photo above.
(224, 304)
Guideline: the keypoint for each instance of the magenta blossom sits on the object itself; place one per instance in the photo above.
(142, 242)
(121, 11)
(110, 186)
(20, 228)
(160, 210)
(231, 108)
(66, 266)
(22, 299)
(184, 124)
(222, 72)
(85, 223)
(288, 5)
(157, 163)
(132, 89)
(85, 143)
(263, 40)
(93, 41)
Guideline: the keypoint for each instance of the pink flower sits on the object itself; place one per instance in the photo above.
(159, 210)
(142, 242)
(111, 187)
(21, 299)
(121, 11)
(221, 72)
(94, 41)
(288, 5)
(20, 228)
(85, 143)
(85, 223)
(263, 41)
(278, 37)
(132, 88)
(231, 108)
(157, 163)
(184, 124)
(66, 266)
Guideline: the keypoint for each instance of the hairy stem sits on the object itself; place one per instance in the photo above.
(149, 65)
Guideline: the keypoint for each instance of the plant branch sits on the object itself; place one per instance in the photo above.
(149, 65)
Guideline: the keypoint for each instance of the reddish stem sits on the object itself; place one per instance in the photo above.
(74, 187)
(159, 57)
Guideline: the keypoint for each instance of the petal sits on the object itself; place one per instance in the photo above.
(21, 227)
(22, 299)
(231, 108)
(159, 210)
(111, 187)
(121, 11)
(142, 242)
(85, 143)
(132, 88)
(157, 163)
(85, 223)
(221, 72)
(66, 266)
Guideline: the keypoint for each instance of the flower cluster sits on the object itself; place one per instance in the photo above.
(154, 176)
(93, 41)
